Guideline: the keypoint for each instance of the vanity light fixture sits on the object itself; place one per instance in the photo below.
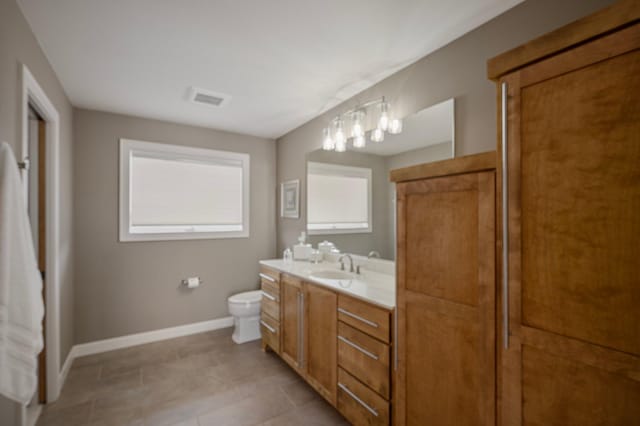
(337, 140)
(327, 142)
(395, 126)
(383, 121)
(339, 135)
(377, 135)
(359, 141)
(357, 130)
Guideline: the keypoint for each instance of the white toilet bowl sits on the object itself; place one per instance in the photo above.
(245, 309)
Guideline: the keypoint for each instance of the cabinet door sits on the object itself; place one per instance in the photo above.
(446, 302)
(321, 354)
(291, 308)
(572, 356)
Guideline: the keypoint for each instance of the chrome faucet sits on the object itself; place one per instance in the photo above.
(348, 256)
(373, 254)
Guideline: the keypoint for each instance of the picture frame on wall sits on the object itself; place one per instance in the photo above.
(290, 199)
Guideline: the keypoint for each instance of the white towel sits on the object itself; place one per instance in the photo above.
(21, 304)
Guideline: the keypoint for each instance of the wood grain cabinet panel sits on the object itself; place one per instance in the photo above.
(321, 343)
(446, 300)
(291, 321)
(560, 391)
(581, 203)
(270, 303)
(270, 330)
(365, 317)
(573, 200)
(365, 358)
(359, 404)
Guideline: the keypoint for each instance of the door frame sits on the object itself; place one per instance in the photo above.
(33, 94)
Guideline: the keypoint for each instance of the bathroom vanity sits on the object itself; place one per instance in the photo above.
(334, 328)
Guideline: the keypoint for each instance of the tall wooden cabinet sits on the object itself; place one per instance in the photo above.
(445, 338)
(570, 224)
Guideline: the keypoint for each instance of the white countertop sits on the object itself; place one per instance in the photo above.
(373, 287)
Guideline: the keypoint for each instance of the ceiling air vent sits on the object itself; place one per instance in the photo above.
(208, 98)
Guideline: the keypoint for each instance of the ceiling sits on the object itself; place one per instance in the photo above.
(283, 61)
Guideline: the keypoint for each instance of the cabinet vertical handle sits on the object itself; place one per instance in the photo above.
(395, 338)
(299, 331)
(505, 220)
(301, 334)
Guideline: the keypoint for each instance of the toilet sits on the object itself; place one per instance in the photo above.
(245, 309)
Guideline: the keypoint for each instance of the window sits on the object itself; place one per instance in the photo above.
(338, 199)
(171, 192)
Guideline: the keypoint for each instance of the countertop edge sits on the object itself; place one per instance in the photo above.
(377, 303)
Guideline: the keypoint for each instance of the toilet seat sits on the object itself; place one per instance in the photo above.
(246, 297)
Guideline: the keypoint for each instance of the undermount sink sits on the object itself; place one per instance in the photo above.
(330, 274)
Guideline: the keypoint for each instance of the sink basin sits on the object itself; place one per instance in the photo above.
(331, 274)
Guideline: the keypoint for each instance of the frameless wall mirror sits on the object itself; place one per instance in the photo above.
(350, 200)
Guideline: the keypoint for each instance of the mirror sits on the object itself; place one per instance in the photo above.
(350, 200)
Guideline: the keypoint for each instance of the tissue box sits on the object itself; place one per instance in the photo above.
(302, 251)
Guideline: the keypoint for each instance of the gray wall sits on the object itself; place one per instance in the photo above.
(456, 70)
(124, 288)
(19, 46)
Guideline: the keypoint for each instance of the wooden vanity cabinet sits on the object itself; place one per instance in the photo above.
(270, 309)
(364, 352)
(340, 345)
(292, 320)
(309, 324)
(320, 340)
(446, 293)
(570, 104)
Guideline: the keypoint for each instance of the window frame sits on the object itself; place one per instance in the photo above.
(128, 147)
(345, 171)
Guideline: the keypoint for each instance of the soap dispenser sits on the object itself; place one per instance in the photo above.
(302, 250)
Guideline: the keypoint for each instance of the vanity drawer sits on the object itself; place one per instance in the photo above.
(271, 302)
(359, 404)
(365, 358)
(269, 275)
(365, 317)
(270, 330)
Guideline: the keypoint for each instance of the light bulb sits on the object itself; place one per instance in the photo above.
(357, 129)
(377, 135)
(341, 146)
(383, 121)
(327, 142)
(395, 126)
(359, 142)
(339, 136)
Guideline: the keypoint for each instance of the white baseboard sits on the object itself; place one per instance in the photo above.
(64, 371)
(99, 346)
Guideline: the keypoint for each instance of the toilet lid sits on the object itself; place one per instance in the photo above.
(246, 297)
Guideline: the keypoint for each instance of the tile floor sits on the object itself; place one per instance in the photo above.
(198, 380)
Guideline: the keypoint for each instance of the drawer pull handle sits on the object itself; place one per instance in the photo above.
(358, 400)
(268, 327)
(358, 317)
(358, 348)
(267, 277)
(268, 296)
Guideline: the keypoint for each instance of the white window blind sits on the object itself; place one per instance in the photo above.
(176, 192)
(338, 199)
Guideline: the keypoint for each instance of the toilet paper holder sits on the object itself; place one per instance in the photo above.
(198, 281)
